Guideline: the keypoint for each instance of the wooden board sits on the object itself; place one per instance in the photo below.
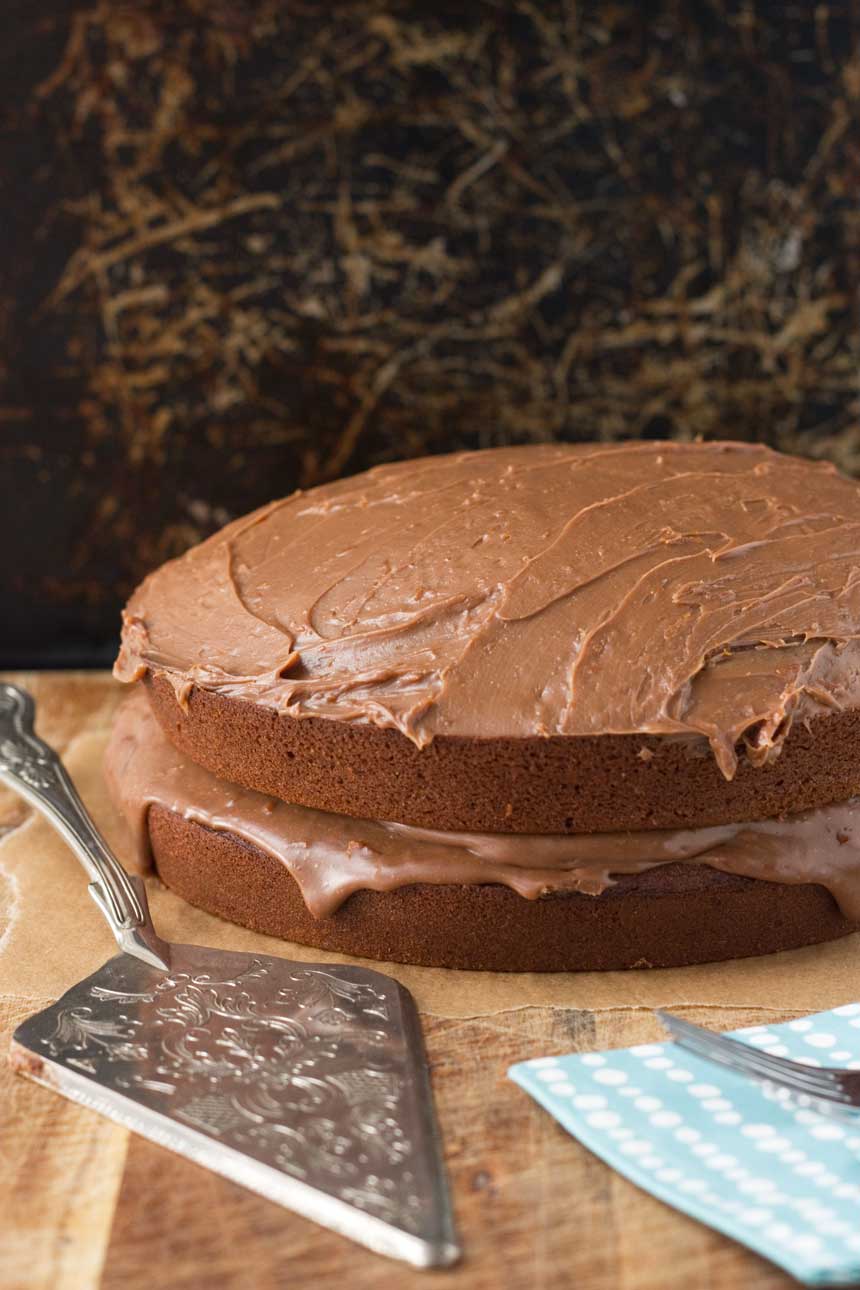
(84, 1204)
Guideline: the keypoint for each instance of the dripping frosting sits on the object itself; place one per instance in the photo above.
(331, 856)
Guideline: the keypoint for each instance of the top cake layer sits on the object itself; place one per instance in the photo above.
(659, 588)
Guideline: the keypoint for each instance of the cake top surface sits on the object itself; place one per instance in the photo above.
(661, 588)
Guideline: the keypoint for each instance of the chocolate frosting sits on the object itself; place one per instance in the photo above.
(664, 588)
(331, 856)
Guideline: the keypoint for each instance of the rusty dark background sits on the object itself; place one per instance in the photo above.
(250, 246)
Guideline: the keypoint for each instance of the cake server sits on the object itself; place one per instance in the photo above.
(305, 1082)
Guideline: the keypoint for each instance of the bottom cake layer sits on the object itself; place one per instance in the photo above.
(670, 916)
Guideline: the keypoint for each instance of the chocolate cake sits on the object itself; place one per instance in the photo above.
(553, 707)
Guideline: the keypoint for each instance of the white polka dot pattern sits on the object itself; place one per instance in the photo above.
(784, 1180)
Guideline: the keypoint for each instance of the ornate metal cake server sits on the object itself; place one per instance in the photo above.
(306, 1083)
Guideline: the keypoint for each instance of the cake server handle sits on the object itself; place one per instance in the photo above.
(33, 769)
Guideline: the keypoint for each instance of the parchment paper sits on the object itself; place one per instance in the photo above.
(52, 935)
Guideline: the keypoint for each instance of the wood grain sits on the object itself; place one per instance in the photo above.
(61, 1171)
(86, 1206)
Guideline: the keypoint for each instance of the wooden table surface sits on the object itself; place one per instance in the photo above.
(85, 1204)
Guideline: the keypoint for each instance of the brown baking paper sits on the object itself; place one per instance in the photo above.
(52, 935)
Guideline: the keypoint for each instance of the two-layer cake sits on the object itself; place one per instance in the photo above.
(534, 708)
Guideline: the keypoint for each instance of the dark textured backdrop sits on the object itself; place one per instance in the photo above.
(253, 245)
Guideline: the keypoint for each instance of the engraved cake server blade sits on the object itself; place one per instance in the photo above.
(305, 1082)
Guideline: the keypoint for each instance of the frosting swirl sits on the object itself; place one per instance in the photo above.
(663, 588)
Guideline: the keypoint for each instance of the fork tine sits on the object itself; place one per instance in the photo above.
(760, 1071)
(827, 1090)
(830, 1092)
(814, 1081)
(747, 1052)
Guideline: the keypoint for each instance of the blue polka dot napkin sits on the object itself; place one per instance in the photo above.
(712, 1143)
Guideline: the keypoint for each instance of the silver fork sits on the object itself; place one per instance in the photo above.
(829, 1089)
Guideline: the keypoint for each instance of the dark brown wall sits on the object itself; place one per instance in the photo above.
(253, 245)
